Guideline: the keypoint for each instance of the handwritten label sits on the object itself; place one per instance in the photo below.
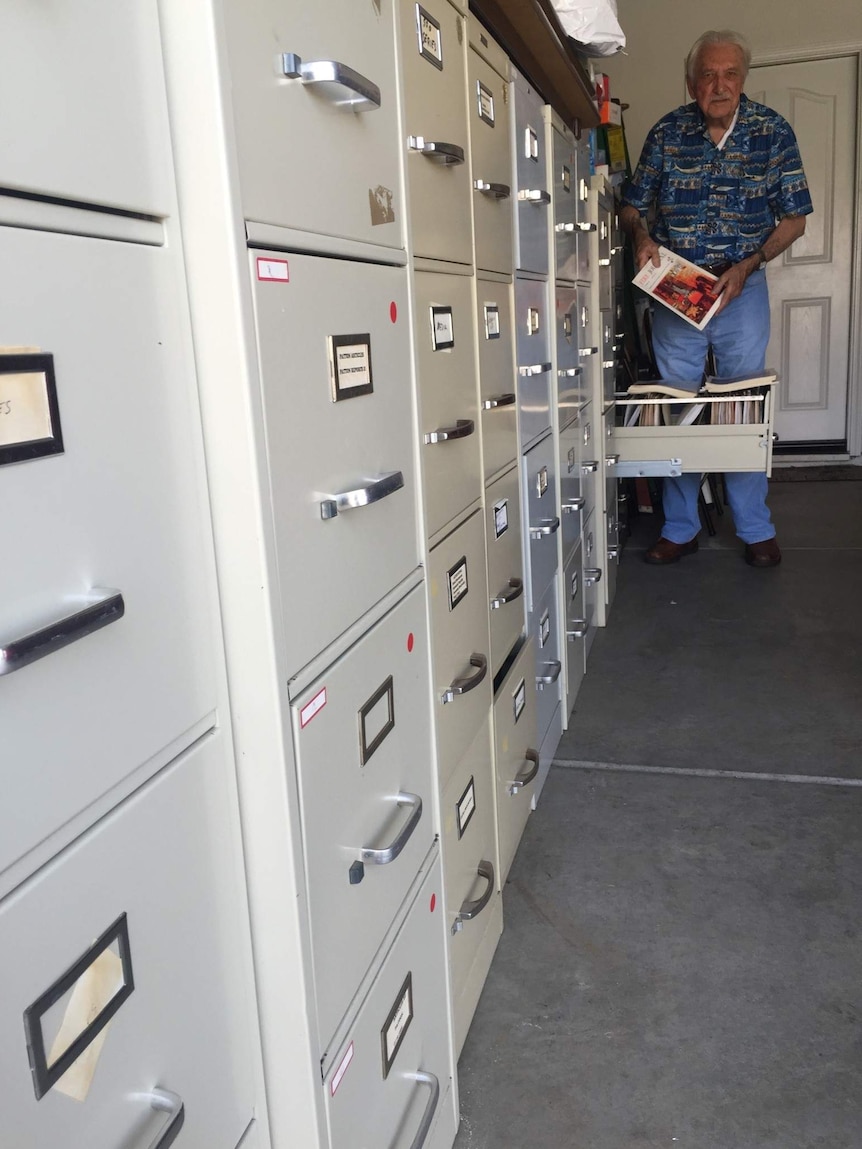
(442, 328)
(430, 40)
(485, 100)
(25, 415)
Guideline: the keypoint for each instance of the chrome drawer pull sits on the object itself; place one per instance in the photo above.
(591, 467)
(498, 401)
(588, 351)
(462, 428)
(592, 575)
(586, 226)
(467, 682)
(613, 553)
(604, 263)
(564, 227)
(611, 460)
(569, 372)
(580, 628)
(372, 492)
(425, 1078)
(546, 527)
(543, 680)
(493, 191)
(363, 95)
(534, 369)
(390, 853)
(608, 363)
(471, 910)
(165, 1102)
(515, 590)
(522, 780)
(572, 505)
(530, 195)
(436, 150)
(101, 607)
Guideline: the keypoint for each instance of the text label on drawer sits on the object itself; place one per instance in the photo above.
(29, 413)
(519, 699)
(465, 808)
(430, 39)
(350, 366)
(567, 179)
(396, 1025)
(541, 482)
(456, 580)
(501, 517)
(442, 328)
(485, 100)
(574, 593)
(544, 628)
(492, 321)
(376, 719)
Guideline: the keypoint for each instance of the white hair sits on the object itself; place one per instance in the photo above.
(710, 39)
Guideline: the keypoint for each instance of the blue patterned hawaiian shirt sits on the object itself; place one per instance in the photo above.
(716, 204)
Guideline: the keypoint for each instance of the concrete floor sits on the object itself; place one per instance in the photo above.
(680, 964)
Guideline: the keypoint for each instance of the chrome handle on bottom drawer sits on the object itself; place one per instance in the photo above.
(506, 400)
(172, 1104)
(590, 467)
(572, 505)
(613, 553)
(462, 428)
(534, 369)
(588, 351)
(534, 195)
(470, 910)
(547, 527)
(563, 227)
(611, 460)
(514, 589)
(586, 227)
(580, 626)
(436, 150)
(424, 1078)
(492, 190)
(569, 372)
(467, 682)
(335, 80)
(543, 680)
(101, 606)
(390, 853)
(522, 780)
(371, 492)
(592, 575)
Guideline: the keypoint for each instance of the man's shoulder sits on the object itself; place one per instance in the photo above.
(685, 117)
(759, 117)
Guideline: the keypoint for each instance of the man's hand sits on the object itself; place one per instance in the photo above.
(730, 285)
(645, 248)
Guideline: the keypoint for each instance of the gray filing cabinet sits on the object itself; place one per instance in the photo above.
(534, 330)
(505, 565)
(490, 151)
(533, 215)
(497, 397)
(516, 753)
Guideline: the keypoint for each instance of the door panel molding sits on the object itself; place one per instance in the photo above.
(805, 354)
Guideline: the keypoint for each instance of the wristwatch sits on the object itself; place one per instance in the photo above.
(761, 255)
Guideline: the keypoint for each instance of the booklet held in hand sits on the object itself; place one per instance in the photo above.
(688, 290)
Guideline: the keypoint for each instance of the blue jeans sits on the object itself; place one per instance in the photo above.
(738, 336)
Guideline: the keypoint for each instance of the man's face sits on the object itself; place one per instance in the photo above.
(718, 82)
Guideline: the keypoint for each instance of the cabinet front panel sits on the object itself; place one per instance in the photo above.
(534, 213)
(533, 335)
(575, 628)
(542, 515)
(497, 391)
(505, 565)
(573, 512)
(571, 390)
(565, 190)
(515, 753)
(545, 632)
(491, 161)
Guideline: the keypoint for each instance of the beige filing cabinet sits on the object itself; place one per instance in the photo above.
(575, 627)
(495, 337)
(571, 389)
(488, 108)
(503, 534)
(516, 754)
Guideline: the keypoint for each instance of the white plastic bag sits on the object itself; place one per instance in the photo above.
(594, 26)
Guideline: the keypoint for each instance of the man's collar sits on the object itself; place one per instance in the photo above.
(697, 125)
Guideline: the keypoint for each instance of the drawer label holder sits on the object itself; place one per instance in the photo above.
(29, 412)
(396, 1025)
(376, 719)
(465, 808)
(456, 580)
(350, 366)
(430, 40)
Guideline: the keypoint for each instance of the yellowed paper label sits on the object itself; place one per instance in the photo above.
(24, 412)
(93, 991)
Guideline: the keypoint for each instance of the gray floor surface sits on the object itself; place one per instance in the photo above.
(680, 964)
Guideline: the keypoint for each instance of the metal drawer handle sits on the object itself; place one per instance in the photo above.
(586, 226)
(564, 227)
(467, 682)
(543, 680)
(569, 372)
(515, 590)
(462, 428)
(492, 190)
(611, 460)
(592, 575)
(498, 401)
(372, 492)
(471, 910)
(102, 606)
(604, 263)
(522, 780)
(613, 553)
(172, 1104)
(588, 351)
(572, 505)
(425, 1078)
(580, 626)
(390, 853)
(530, 195)
(363, 95)
(547, 527)
(534, 369)
(590, 467)
(437, 150)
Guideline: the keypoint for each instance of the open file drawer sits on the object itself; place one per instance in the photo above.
(697, 448)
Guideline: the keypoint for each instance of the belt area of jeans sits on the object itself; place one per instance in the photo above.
(719, 267)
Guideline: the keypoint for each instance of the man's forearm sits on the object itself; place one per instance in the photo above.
(632, 222)
(787, 230)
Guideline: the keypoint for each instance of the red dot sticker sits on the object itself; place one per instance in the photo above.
(433, 905)
(410, 641)
(393, 311)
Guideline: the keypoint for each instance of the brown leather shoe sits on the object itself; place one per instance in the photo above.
(664, 551)
(765, 554)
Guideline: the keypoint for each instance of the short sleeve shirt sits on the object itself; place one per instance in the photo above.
(716, 204)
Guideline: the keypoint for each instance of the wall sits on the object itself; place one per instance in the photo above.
(659, 34)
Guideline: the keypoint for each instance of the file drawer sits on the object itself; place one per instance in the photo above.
(612, 552)
(542, 513)
(498, 400)
(302, 74)
(362, 734)
(571, 392)
(390, 1078)
(140, 924)
(589, 346)
(449, 448)
(458, 594)
(474, 907)
(533, 214)
(545, 632)
(564, 189)
(594, 591)
(85, 115)
(516, 754)
(609, 357)
(491, 157)
(533, 334)
(591, 460)
(576, 627)
(116, 520)
(572, 502)
(585, 226)
(505, 565)
(334, 352)
(434, 70)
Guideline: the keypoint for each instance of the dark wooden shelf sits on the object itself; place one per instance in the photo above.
(530, 32)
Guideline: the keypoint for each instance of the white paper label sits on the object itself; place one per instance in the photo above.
(465, 807)
(442, 328)
(531, 145)
(544, 628)
(340, 1072)
(492, 321)
(25, 415)
(501, 517)
(312, 708)
(570, 460)
(542, 482)
(430, 42)
(532, 321)
(519, 699)
(567, 179)
(457, 580)
(575, 582)
(486, 103)
(350, 365)
(396, 1025)
(273, 269)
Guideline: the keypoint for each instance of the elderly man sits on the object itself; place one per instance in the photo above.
(725, 179)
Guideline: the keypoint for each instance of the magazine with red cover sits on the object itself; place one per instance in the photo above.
(688, 290)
